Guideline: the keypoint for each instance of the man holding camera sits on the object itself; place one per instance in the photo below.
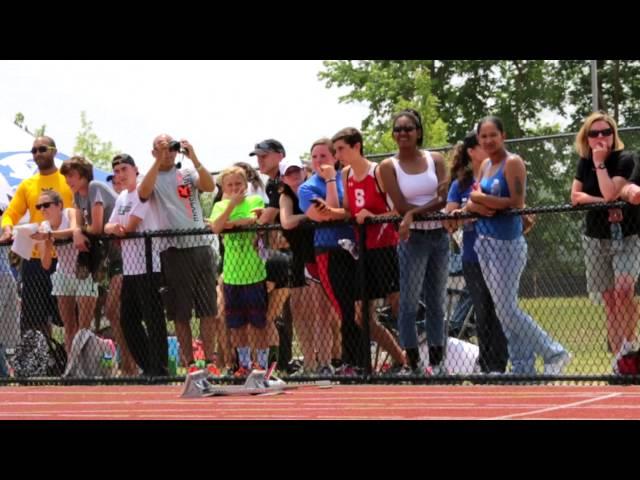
(38, 306)
(188, 262)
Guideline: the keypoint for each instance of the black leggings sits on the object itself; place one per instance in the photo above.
(491, 340)
(338, 271)
(140, 302)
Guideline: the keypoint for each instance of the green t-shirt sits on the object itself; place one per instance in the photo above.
(242, 264)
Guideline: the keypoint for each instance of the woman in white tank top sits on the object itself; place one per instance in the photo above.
(66, 287)
(416, 182)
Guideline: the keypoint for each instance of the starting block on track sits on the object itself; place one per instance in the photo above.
(259, 382)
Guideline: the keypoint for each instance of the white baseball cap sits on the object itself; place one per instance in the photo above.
(287, 163)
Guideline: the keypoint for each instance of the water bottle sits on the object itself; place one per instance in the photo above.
(616, 237)
(495, 187)
(350, 246)
(174, 349)
(107, 361)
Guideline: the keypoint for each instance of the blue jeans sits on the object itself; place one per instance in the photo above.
(502, 263)
(423, 261)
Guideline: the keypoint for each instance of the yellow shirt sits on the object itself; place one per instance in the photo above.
(27, 195)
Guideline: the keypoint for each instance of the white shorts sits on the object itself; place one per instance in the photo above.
(69, 286)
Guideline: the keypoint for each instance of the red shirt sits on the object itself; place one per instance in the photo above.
(365, 194)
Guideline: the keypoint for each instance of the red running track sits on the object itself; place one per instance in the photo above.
(341, 402)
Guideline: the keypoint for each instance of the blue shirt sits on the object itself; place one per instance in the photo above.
(502, 227)
(315, 187)
(469, 234)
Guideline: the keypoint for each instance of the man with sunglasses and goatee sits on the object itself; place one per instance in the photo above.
(38, 306)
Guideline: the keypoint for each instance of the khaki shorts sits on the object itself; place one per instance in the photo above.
(603, 264)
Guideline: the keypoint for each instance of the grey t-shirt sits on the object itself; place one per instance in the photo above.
(176, 197)
(99, 192)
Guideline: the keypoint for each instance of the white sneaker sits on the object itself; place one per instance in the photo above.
(557, 366)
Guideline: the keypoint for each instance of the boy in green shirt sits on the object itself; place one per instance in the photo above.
(243, 271)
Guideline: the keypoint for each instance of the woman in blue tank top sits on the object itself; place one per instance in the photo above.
(502, 252)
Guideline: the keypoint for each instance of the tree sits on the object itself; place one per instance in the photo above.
(89, 144)
(19, 121)
(388, 86)
(618, 90)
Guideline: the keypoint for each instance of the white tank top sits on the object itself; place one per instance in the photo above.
(67, 253)
(419, 188)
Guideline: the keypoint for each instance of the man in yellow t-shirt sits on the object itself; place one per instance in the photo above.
(38, 306)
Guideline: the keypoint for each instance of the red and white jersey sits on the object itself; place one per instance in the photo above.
(365, 194)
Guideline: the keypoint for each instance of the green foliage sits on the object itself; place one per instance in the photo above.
(19, 121)
(89, 144)
(388, 86)
(453, 95)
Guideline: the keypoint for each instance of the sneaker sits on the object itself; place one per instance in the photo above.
(347, 370)
(325, 371)
(241, 372)
(557, 366)
(213, 370)
(407, 371)
(299, 373)
(439, 370)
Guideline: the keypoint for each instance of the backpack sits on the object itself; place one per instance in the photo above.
(629, 363)
(32, 355)
(90, 356)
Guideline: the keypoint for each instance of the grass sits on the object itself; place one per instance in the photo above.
(576, 322)
(579, 325)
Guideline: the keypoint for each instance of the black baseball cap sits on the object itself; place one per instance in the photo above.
(123, 158)
(266, 146)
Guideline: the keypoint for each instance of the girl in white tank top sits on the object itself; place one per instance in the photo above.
(419, 188)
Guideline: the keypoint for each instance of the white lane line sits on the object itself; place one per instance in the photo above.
(557, 407)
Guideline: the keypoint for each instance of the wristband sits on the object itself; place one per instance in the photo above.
(330, 180)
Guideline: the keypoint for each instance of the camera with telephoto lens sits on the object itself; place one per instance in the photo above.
(174, 146)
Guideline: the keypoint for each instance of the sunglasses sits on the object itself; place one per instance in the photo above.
(596, 133)
(41, 149)
(407, 129)
(45, 205)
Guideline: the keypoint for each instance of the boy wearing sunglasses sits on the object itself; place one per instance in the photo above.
(38, 306)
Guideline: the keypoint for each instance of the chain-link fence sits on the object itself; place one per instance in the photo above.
(549, 305)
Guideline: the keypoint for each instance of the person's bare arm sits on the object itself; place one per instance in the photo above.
(288, 219)
(97, 217)
(578, 197)
(148, 183)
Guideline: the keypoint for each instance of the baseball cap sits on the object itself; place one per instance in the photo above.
(269, 145)
(123, 158)
(287, 163)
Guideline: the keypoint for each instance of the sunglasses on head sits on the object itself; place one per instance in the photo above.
(45, 205)
(41, 149)
(407, 129)
(596, 133)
